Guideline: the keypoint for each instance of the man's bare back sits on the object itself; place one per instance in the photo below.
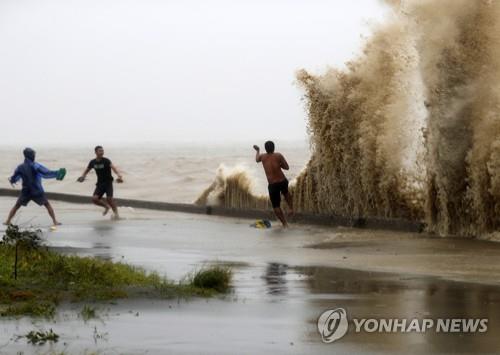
(273, 164)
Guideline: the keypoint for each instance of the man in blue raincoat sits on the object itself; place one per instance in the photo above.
(31, 173)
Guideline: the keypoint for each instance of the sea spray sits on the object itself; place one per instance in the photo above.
(366, 126)
(459, 49)
(232, 188)
(363, 154)
(411, 128)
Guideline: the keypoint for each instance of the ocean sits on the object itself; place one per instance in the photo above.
(170, 172)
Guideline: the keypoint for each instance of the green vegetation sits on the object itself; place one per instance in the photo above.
(88, 312)
(40, 337)
(217, 278)
(34, 308)
(27, 239)
(45, 278)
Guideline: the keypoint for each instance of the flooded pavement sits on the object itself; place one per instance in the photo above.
(283, 282)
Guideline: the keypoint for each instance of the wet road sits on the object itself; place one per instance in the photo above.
(283, 281)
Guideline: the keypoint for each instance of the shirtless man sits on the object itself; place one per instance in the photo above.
(278, 184)
(103, 167)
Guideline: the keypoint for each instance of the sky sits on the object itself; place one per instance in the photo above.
(132, 71)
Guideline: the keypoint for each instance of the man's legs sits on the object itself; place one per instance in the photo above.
(99, 192)
(12, 213)
(275, 197)
(52, 214)
(110, 200)
(289, 202)
(279, 213)
(97, 200)
(112, 203)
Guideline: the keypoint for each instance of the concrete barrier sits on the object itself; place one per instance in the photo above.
(313, 219)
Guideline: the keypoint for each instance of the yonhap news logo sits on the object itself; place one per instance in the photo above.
(333, 324)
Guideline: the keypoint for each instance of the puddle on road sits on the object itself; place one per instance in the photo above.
(273, 309)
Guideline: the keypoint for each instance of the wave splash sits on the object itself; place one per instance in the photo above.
(410, 129)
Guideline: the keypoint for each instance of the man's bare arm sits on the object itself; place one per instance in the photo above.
(258, 156)
(284, 163)
(120, 178)
(84, 174)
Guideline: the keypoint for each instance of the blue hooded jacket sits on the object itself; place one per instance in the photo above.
(32, 173)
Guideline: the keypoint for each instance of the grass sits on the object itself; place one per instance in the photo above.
(41, 337)
(88, 312)
(35, 308)
(216, 278)
(46, 278)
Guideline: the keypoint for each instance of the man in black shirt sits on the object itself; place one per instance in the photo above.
(103, 167)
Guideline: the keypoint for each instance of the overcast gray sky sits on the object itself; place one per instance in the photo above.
(167, 70)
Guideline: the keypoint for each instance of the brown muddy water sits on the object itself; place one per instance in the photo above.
(283, 281)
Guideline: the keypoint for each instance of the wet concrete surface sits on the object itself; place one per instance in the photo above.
(283, 281)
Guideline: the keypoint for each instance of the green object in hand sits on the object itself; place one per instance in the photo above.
(61, 173)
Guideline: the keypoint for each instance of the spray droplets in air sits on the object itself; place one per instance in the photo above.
(411, 129)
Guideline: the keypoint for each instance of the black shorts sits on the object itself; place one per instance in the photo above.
(275, 191)
(101, 189)
(25, 198)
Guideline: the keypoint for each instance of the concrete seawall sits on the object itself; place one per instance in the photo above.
(322, 220)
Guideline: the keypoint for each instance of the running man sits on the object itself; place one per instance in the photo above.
(278, 184)
(104, 186)
(31, 173)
